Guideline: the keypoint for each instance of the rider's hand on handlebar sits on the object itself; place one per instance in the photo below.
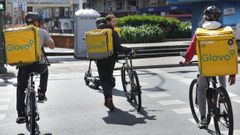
(232, 79)
(185, 62)
(133, 52)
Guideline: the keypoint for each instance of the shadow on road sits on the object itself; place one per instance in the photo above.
(125, 118)
(152, 74)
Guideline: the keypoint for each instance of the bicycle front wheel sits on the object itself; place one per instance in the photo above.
(223, 119)
(136, 92)
(126, 83)
(32, 116)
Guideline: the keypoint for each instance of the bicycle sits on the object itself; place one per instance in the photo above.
(218, 106)
(130, 83)
(31, 110)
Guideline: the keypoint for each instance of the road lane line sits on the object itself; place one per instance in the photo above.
(2, 100)
(176, 77)
(3, 107)
(2, 116)
(182, 110)
(193, 121)
(154, 95)
(170, 102)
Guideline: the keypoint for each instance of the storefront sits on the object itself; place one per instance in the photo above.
(230, 10)
(178, 11)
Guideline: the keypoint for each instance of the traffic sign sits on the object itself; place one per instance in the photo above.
(2, 5)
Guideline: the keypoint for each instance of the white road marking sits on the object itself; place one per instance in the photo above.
(5, 100)
(5, 93)
(182, 110)
(176, 77)
(193, 121)
(232, 95)
(2, 116)
(3, 107)
(236, 100)
(236, 132)
(164, 94)
(170, 102)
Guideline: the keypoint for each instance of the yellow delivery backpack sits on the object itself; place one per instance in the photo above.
(217, 51)
(99, 43)
(22, 45)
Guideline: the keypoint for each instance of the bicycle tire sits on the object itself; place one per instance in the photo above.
(125, 83)
(33, 112)
(194, 105)
(223, 100)
(136, 92)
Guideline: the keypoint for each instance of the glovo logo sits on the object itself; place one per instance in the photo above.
(217, 58)
(97, 46)
(17, 47)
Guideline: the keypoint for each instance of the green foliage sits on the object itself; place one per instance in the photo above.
(142, 34)
(172, 27)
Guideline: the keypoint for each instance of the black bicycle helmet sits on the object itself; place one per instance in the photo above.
(100, 22)
(30, 17)
(212, 13)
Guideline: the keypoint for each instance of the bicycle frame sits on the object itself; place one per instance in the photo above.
(31, 105)
(128, 65)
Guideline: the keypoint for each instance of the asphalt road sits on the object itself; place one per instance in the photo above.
(75, 109)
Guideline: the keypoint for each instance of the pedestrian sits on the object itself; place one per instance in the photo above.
(39, 67)
(210, 21)
(106, 66)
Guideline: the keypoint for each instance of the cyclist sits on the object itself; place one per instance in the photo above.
(39, 67)
(210, 21)
(106, 66)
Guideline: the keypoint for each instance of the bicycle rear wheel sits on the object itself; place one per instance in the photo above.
(136, 92)
(126, 83)
(194, 103)
(223, 119)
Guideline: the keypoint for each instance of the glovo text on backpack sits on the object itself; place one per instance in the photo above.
(22, 45)
(217, 51)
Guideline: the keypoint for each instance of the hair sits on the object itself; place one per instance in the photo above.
(109, 17)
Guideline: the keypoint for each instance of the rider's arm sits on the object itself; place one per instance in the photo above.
(232, 79)
(191, 50)
(50, 43)
(47, 39)
(117, 44)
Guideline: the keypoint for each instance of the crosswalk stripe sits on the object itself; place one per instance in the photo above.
(3, 107)
(164, 94)
(5, 100)
(236, 100)
(235, 132)
(232, 95)
(182, 110)
(176, 77)
(193, 121)
(170, 102)
(2, 116)
(6, 93)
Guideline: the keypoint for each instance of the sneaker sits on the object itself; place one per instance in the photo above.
(203, 123)
(21, 118)
(109, 104)
(41, 98)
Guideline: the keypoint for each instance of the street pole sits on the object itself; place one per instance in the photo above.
(3, 70)
(80, 4)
